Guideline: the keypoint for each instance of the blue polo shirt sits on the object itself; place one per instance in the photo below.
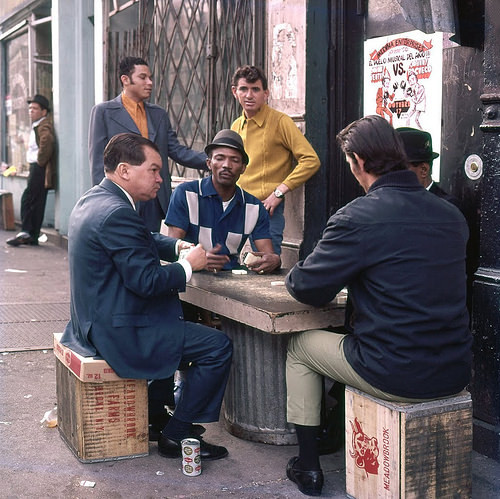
(197, 208)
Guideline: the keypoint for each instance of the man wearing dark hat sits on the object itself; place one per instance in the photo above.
(418, 148)
(42, 161)
(220, 215)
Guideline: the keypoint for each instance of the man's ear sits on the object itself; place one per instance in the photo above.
(209, 163)
(425, 168)
(122, 170)
(359, 161)
(124, 79)
(233, 90)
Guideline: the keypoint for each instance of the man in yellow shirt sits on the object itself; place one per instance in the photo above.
(273, 142)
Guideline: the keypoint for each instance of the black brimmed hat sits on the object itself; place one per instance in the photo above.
(418, 145)
(41, 100)
(228, 138)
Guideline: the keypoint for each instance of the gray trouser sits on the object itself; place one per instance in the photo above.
(312, 355)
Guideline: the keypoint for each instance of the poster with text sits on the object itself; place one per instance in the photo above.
(403, 82)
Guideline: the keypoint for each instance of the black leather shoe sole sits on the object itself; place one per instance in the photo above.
(18, 240)
(208, 452)
(309, 483)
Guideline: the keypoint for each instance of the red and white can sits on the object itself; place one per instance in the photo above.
(191, 459)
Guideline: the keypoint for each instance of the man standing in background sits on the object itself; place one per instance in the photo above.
(273, 142)
(41, 156)
(129, 112)
(418, 148)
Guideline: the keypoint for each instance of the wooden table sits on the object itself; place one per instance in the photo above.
(258, 314)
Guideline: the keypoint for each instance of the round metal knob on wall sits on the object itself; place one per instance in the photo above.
(473, 167)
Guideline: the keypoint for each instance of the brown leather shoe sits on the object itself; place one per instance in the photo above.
(309, 483)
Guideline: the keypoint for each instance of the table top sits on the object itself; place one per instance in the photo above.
(260, 301)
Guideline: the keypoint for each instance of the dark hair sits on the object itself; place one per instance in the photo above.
(251, 74)
(376, 142)
(126, 148)
(126, 66)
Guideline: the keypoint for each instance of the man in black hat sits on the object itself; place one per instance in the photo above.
(41, 157)
(220, 215)
(418, 148)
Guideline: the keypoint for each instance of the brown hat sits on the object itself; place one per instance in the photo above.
(418, 144)
(228, 138)
(41, 100)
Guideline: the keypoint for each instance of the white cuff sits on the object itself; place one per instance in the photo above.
(187, 268)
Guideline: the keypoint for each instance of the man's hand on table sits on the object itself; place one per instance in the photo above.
(216, 261)
(266, 263)
(197, 257)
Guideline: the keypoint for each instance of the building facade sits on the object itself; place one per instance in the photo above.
(315, 54)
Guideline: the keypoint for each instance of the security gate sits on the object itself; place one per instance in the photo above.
(193, 48)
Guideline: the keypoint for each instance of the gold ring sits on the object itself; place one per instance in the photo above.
(214, 271)
(261, 271)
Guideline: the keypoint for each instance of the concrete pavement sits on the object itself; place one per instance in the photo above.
(35, 462)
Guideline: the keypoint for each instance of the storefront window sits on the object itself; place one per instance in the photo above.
(18, 123)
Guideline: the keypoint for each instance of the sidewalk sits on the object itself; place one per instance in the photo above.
(35, 462)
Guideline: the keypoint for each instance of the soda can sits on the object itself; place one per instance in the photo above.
(191, 459)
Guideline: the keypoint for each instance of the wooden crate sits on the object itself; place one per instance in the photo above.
(7, 210)
(100, 419)
(421, 450)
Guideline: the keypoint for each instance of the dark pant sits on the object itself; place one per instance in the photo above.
(206, 362)
(33, 201)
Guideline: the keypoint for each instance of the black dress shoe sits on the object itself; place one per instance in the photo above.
(21, 238)
(158, 422)
(155, 431)
(309, 483)
(208, 452)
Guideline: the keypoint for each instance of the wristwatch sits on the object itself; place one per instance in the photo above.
(279, 194)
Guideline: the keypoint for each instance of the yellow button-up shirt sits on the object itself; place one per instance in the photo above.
(272, 141)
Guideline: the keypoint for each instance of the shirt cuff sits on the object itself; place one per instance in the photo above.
(187, 268)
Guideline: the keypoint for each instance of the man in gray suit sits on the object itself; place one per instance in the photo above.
(130, 113)
(125, 305)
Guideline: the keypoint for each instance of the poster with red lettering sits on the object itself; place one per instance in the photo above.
(403, 82)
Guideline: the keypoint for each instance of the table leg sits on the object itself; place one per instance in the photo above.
(255, 399)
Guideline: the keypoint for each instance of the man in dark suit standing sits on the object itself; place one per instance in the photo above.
(129, 112)
(124, 303)
(418, 148)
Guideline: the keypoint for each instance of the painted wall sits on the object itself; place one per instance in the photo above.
(286, 63)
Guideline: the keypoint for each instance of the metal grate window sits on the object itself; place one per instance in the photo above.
(193, 48)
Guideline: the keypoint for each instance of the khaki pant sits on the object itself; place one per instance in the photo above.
(312, 355)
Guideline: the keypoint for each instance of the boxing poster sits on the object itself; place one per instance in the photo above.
(403, 82)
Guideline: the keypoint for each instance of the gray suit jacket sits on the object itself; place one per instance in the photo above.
(124, 303)
(110, 118)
